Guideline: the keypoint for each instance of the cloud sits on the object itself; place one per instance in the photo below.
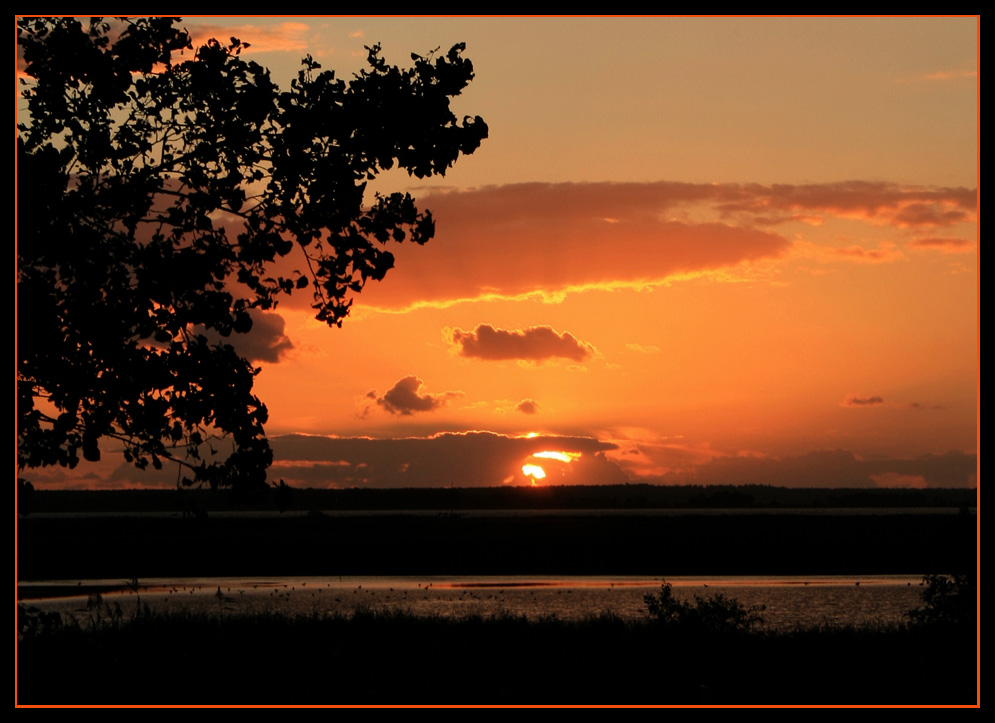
(885, 253)
(547, 240)
(646, 456)
(265, 342)
(467, 459)
(894, 479)
(950, 74)
(836, 468)
(852, 400)
(286, 36)
(487, 459)
(643, 348)
(536, 343)
(403, 398)
(527, 406)
(810, 220)
(945, 245)
(926, 214)
(878, 202)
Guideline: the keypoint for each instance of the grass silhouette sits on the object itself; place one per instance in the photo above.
(389, 656)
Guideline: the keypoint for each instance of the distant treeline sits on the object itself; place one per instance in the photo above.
(450, 531)
(577, 497)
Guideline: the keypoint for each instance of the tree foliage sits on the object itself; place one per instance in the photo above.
(159, 188)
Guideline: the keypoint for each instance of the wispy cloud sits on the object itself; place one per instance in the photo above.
(839, 468)
(917, 405)
(949, 74)
(886, 252)
(854, 400)
(643, 348)
(879, 203)
(896, 479)
(944, 245)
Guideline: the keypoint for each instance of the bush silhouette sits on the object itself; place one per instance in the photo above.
(947, 600)
(713, 614)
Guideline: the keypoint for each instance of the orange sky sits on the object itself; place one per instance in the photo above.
(691, 250)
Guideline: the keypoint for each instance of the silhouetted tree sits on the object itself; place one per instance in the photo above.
(158, 189)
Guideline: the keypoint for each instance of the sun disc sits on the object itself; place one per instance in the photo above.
(534, 471)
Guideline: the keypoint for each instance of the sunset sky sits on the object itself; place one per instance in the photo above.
(692, 250)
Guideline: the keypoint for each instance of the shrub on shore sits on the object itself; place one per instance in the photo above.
(714, 614)
(948, 600)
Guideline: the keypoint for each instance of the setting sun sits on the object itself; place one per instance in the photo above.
(534, 472)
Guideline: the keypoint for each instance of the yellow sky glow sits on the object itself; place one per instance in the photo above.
(561, 456)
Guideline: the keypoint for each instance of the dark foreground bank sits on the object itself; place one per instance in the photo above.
(390, 657)
(743, 542)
